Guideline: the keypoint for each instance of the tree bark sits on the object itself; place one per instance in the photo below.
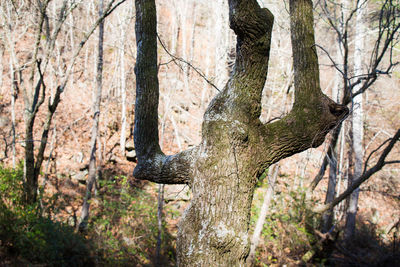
(236, 147)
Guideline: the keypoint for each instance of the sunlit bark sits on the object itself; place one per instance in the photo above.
(236, 147)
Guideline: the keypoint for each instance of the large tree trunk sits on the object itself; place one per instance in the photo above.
(236, 147)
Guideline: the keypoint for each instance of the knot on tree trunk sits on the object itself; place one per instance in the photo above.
(337, 112)
(332, 114)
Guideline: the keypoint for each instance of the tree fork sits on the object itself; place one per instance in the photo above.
(236, 147)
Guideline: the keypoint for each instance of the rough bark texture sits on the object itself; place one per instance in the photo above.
(236, 147)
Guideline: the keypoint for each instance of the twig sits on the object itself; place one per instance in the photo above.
(174, 58)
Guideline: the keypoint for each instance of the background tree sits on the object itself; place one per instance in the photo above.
(34, 70)
(357, 121)
(255, 239)
(93, 166)
(357, 78)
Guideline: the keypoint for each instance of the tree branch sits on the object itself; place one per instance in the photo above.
(328, 156)
(36, 103)
(175, 58)
(313, 114)
(388, 33)
(365, 176)
(52, 106)
(153, 164)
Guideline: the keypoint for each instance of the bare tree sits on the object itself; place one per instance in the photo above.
(236, 147)
(30, 76)
(386, 39)
(93, 169)
(357, 122)
(357, 82)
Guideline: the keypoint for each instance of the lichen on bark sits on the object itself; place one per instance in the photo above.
(236, 147)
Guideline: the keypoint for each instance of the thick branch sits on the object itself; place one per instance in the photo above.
(241, 96)
(147, 91)
(305, 58)
(313, 114)
(153, 164)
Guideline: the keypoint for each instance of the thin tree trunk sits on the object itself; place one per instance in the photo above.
(14, 89)
(184, 30)
(206, 86)
(15, 74)
(338, 212)
(272, 174)
(327, 217)
(95, 128)
(193, 32)
(1, 70)
(123, 97)
(72, 42)
(159, 221)
(221, 35)
(52, 147)
(357, 123)
(33, 99)
(123, 29)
